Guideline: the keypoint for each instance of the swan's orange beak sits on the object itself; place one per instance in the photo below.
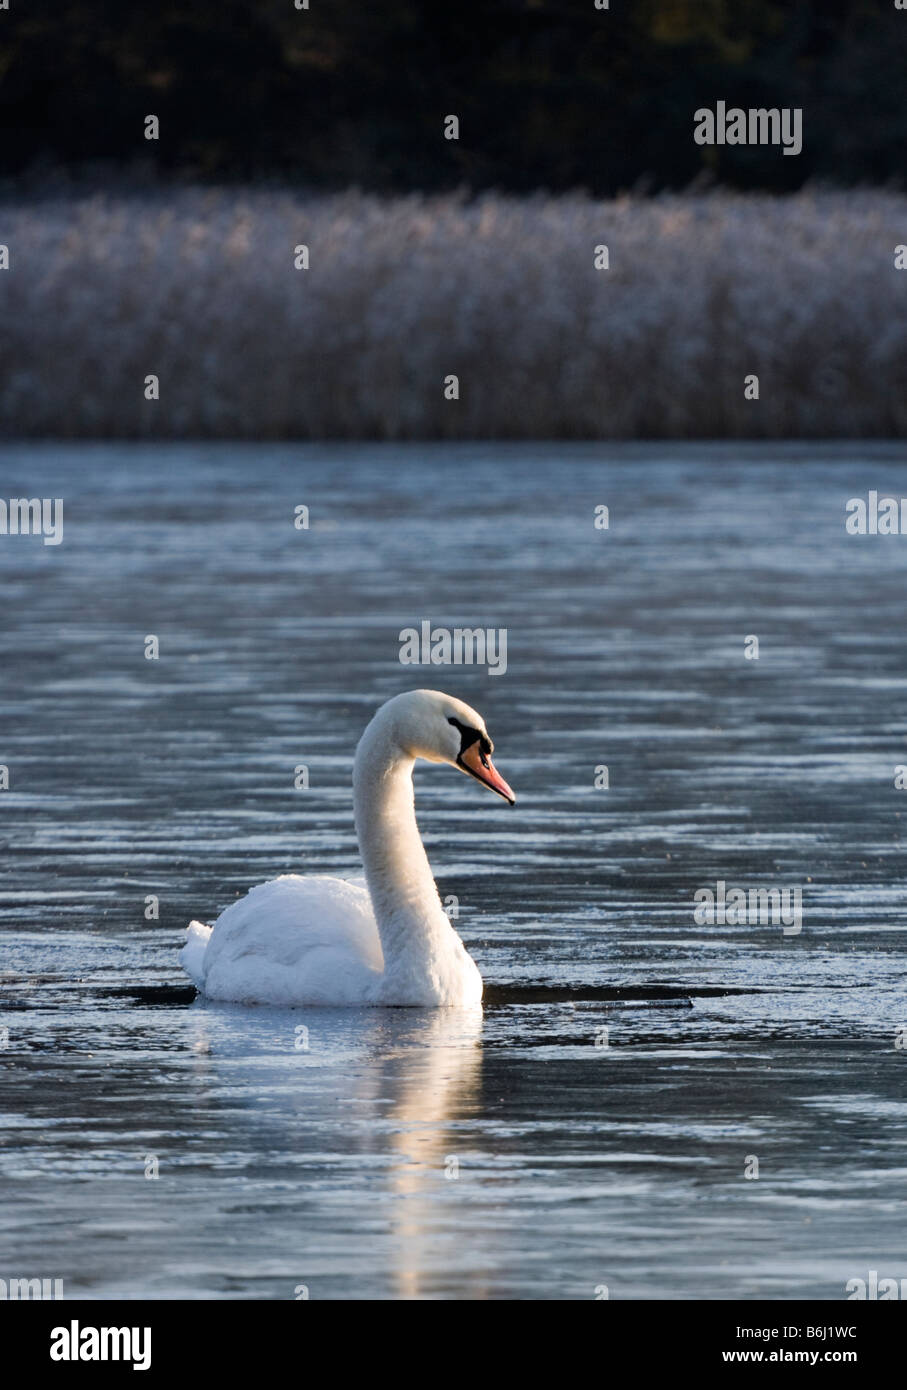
(480, 766)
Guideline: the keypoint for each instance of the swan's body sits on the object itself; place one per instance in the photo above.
(311, 940)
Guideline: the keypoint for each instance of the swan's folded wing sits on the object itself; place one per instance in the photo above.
(293, 940)
(192, 956)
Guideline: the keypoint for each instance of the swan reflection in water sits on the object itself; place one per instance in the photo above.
(375, 1122)
(436, 1096)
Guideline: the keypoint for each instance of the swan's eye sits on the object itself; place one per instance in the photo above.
(469, 736)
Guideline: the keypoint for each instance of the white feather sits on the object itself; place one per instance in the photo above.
(331, 941)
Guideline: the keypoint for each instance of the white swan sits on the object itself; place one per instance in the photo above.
(331, 941)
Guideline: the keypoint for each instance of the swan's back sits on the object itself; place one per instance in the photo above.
(295, 940)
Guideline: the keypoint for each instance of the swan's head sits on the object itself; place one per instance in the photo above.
(435, 726)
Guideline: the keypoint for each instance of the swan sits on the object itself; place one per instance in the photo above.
(331, 941)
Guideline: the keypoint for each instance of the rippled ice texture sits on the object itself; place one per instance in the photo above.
(578, 1166)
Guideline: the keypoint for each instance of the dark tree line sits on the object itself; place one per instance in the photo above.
(550, 95)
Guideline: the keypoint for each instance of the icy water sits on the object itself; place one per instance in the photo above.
(504, 1153)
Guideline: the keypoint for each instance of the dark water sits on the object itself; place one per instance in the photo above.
(578, 1165)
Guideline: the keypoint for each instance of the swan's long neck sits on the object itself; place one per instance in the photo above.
(421, 949)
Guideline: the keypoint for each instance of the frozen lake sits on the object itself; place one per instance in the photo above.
(503, 1153)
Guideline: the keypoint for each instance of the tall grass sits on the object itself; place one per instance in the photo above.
(199, 288)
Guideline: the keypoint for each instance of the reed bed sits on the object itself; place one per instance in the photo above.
(199, 288)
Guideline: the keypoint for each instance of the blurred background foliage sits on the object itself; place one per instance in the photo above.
(551, 94)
